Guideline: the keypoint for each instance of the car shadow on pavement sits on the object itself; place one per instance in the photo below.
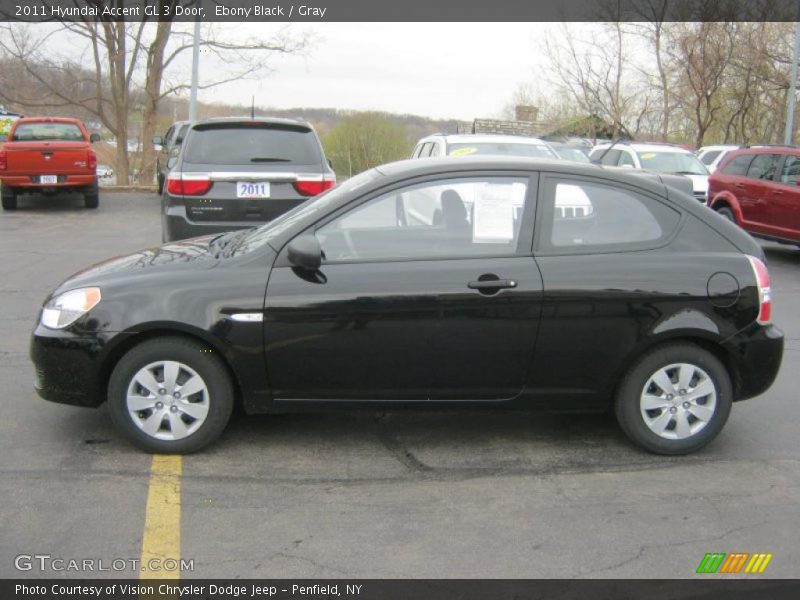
(70, 202)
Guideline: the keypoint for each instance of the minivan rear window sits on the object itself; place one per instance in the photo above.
(47, 132)
(252, 144)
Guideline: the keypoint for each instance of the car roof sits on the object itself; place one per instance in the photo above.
(46, 120)
(415, 167)
(646, 147)
(482, 138)
(719, 147)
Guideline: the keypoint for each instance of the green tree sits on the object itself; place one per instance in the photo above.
(364, 140)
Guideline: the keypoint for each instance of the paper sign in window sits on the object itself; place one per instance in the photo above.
(494, 215)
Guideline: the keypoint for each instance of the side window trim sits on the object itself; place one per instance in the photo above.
(547, 184)
(526, 234)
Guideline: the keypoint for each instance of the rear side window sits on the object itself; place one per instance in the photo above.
(582, 216)
(738, 165)
(709, 157)
(763, 167)
(247, 144)
(790, 173)
(46, 132)
(181, 134)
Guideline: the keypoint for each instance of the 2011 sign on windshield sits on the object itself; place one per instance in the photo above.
(250, 189)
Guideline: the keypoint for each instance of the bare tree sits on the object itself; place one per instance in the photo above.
(119, 58)
(705, 51)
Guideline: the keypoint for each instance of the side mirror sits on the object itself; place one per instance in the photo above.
(95, 137)
(305, 252)
(157, 141)
(171, 160)
(330, 163)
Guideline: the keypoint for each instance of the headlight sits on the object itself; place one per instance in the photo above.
(65, 309)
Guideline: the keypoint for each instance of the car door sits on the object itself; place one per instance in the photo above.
(597, 247)
(426, 291)
(756, 196)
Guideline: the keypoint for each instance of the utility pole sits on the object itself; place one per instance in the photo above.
(787, 136)
(195, 67)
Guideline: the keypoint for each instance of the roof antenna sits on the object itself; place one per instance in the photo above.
(253, 108)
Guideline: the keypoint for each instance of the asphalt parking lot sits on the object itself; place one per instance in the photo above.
(367, 495)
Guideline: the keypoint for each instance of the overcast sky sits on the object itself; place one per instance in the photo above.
(458, 70)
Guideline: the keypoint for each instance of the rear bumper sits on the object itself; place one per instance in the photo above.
(24, 183)
(178, 225)
(758, 352)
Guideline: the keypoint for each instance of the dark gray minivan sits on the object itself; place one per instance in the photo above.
(234, 173)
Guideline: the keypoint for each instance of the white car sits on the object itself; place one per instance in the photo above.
(662, 158)
(711, 156)
(475, 144)
(104, 171)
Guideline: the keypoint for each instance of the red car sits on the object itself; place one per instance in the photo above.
(48, 155)
(758, 188)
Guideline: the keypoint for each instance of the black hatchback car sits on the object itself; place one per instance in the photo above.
(232, 173)
(486, 282)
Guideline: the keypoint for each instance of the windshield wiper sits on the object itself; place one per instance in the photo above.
(687, 173)
(267, 159)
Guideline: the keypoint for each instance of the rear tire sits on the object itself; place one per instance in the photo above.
(145, 402)
(91, 197)
(675, 399)
(726, 212)
(9, 198)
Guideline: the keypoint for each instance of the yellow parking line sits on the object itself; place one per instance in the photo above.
(162, 522)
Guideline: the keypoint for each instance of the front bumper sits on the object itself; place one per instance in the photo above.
(757, 351)
(67, 366)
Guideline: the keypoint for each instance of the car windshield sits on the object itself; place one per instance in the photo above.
(48, 132)
(500, 149)
(672, 162)
(258, 237)
(250, 143)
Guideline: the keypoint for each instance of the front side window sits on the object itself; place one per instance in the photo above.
(763, 167)
(442, 219)
(790, 173)
(581, 215)
(737, 166)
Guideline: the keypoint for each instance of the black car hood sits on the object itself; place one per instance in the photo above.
(194, 250)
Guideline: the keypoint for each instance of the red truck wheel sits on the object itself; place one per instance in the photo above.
(9, 198)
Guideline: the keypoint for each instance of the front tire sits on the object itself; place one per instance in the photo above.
(675, 399)
(170, 395)
(9, 198)
(726, 212)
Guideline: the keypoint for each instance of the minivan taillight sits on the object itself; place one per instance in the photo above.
(764, 290)
(92, 160)
(3, 160)
(194, 185)
(312, 187)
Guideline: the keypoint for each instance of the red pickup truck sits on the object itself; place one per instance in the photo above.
(48, 155)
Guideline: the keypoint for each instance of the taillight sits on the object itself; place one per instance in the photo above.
(179, 184)
(764, 290)
(3, 160)
(92, 162)
(312, 187)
